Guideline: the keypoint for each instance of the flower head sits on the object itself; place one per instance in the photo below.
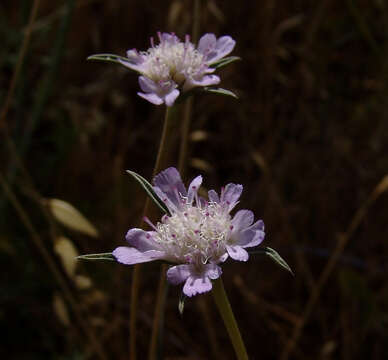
(198, 236)
(173, 66)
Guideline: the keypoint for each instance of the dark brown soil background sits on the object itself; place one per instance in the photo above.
(308, 139)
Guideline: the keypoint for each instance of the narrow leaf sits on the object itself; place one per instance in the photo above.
(224, 61)
(220, 91)
(69, 216)
(109, 58)
(102, 256)
(150, 191)
(274, 255)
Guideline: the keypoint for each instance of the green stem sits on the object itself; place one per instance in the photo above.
(157, 325)
(160, 163)
(226, 312)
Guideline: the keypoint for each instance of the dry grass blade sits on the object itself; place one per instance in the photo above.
(72, 218)
(38, 242)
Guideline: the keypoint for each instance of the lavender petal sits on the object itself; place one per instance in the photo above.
(231, 194)
(131, 256)
(250, 238)
(196, 285)
(213, 196)
(142, 240)
(207, 44)
(178, 274)
(193, 188)
(212, 271)
(152, 98)
(236, 252)
(224, 46)
(242, 220)
(170, 97)
(206, 80)
(170, 183)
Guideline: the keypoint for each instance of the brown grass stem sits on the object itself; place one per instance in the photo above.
(47, 257)
(22, 53)
(341, 244)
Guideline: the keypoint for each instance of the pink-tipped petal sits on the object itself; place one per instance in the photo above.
(193, 188)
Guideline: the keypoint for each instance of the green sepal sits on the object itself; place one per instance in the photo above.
(274, 255)
(109, 58)
(220, 91)
(224, 61)
(150, 191)
(102, 256)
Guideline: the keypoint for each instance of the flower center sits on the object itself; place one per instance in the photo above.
(172, 60)
(195, 234)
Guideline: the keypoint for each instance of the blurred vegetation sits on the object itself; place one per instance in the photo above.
(308, 139)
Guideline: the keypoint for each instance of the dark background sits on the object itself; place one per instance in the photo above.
(307, 139)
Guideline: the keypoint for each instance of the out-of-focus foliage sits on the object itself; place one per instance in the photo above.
(308, 139)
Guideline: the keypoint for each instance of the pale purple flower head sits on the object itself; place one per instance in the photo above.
(172, 66)
(198, 236)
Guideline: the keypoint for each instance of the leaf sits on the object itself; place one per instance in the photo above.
(220, 91)
(69, 216)
(224, 61)
(150, 191)
(101, 256)
(109, 58)
(273, 254)
(68, 253)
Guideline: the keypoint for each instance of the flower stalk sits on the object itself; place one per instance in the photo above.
(223, 305)
(160, 162)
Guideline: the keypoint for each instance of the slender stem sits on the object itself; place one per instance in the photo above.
(160, 163)
(157, 324)
(158, 316)
(189, 103)
(226, 312)
(185, 136)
